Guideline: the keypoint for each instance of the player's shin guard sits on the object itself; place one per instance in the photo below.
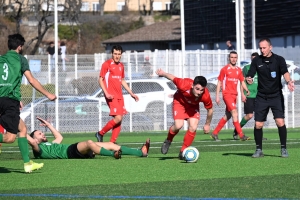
(188, 139)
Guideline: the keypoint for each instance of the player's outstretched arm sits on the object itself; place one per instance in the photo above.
(125, 85)
(58, 137)
(37, 85)
(162, 73)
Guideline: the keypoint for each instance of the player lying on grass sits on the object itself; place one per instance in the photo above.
(86, 149)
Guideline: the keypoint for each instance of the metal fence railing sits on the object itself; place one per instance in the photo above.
(80, 111)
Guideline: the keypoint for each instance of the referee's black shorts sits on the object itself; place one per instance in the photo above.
(264, 102)
(73, 153)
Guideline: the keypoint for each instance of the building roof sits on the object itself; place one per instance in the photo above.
(160, 31)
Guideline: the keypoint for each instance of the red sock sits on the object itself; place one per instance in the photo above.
(115, 132)
(107, 127)
(171, 134)
(188, 139)
(2, 130)
(238, 128)
(220, 125)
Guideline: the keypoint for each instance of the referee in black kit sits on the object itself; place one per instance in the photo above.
(269, 68)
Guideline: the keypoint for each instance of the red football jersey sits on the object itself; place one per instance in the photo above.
(113, 74)
(185, 95)
(230, 77)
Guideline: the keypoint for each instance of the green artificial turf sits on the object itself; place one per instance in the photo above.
(224, 170)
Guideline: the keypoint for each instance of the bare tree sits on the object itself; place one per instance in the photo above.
(102, 4)
(43, 14)
(151, 7)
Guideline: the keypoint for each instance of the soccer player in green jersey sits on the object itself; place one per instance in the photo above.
(81, 150)
(12, 68)
(249, 101)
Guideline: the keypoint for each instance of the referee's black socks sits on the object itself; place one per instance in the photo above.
(282, 136)
(258, 135)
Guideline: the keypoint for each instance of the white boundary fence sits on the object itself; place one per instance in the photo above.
(86, 68)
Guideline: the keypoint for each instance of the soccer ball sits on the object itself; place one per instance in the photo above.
(190, 154)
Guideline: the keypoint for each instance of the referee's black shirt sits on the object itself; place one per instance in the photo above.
(269, 71)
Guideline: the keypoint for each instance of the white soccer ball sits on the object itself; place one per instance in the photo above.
(190, 154)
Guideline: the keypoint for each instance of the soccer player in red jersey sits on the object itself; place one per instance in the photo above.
(111, 81)
(228, 79)
(186, 107)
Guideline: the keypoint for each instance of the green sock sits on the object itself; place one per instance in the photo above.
(23, 146)
(243, 122)
(105, 152)
(1, 137)
(130, 151)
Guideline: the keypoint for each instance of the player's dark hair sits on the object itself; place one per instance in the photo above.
(265, 39)
(254, 54)
(117, 48)
(32, 133)
(201, 80)
(14, 41)
(231, 52)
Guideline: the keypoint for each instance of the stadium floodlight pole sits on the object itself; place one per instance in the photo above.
(238, 48)
(253, 26)
(182, 37)
(182, 46)
(55, 62)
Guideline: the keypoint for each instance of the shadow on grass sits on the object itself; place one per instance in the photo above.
(4, 170)
(247, 154)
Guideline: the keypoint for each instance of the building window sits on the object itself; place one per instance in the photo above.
(120, 6)
(85, 6)
(168, 5)
(157, 6)
(96, 7)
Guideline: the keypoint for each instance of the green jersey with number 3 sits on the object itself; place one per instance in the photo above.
(12, 68)
(251, 87)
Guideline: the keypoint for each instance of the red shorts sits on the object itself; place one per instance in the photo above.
(230, 102)
(181, 111)
(116, 106)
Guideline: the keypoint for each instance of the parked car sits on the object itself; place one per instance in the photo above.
(80, 115)
(152, 94)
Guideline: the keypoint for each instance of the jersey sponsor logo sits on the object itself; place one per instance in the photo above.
(260, 65)
(232, 79)
(229, 72)
(118, 77)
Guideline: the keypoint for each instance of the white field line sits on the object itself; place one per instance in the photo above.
(290, 141)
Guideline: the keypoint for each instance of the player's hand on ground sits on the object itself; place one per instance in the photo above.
(206, 129)
(136, 98)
